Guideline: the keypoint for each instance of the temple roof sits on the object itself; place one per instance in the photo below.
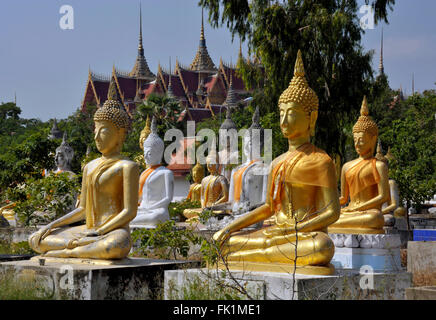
(202, 60)
(141, 69)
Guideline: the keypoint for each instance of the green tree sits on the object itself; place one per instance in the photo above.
(412, 139)
(328, 33)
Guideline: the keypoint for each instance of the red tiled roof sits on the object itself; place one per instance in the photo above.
(101, 88)
(127, 87)
(238, 84)
(190, 78)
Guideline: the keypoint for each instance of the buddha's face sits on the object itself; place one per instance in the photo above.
(152, 156)
(364, 143)
(295, 122)
(197, 176)
(61, 160)
(107, 136)
(212, 166)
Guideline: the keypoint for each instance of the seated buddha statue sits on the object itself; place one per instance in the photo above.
(248, 181)
(109, 197)
(214, 189)
(156, 183)
(301, 200)
(364, 183)
(63, 157)
(194, 193)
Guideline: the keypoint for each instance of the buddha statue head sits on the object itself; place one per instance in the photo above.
(64, 155)
(111, 123)
(198, 173)
(153, 146)
(298, 105)
(212, 163)
(253, 138)
(365, 132)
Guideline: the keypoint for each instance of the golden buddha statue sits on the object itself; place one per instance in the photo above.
(109, 197)
(364, 181)
(142, 137)
(214, 189)
(195, 188)
(301, 201)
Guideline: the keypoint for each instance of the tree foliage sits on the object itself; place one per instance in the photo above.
(412, 139)
(328, 33)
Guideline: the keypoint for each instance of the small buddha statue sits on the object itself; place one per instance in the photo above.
(194, 193)
(301, 201)
(156, 183)
(142, 137)
(248, 181)
(214, 188)
(391, 208)
(109, 197)
(227, 156)
(63, 157)
(364, 183)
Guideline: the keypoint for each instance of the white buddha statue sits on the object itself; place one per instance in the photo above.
(156, 184)
(63, 157)
(248, 181)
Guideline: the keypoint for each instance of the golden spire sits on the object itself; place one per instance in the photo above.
(364, 111)
(299, 66)
(299, 90)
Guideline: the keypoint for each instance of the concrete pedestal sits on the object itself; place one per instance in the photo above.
(381, 252)
(86, 279)
(180, 284)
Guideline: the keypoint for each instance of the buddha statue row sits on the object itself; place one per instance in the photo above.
(302, 202)
(298, 207)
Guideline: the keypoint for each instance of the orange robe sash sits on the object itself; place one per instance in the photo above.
(92, 186)
(359, 179)
(143, 178)
(237, 177)
(306, 165)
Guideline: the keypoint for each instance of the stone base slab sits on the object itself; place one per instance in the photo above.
(421, 293)
(281, 286)
(380, 260)
(67, 279)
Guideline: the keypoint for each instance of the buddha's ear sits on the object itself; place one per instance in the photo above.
(313, 118)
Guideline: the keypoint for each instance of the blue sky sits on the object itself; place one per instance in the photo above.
(47, 67)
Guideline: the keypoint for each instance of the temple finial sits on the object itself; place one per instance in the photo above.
(381, 66)
(202, 27)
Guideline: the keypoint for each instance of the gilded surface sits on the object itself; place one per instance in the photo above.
(108, 201)
(364, 183)
(302, 199)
